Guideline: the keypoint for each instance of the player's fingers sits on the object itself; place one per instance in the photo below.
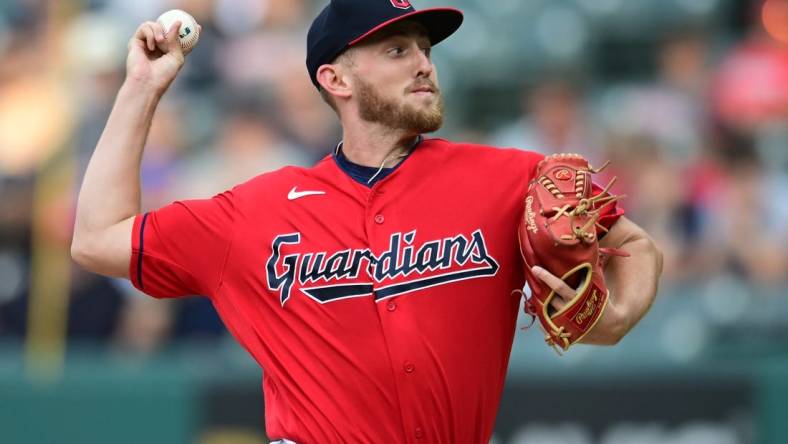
(172, 41)
(557, 303)
(146, 34)
(159, 34)
(150, 39)
(554, 282)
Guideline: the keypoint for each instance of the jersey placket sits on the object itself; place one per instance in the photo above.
(397, 326)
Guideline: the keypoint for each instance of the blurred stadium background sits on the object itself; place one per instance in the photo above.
(688, 98)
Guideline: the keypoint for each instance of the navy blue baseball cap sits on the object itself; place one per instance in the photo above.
(343, 23)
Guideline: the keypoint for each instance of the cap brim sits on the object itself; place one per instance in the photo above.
(439, 22)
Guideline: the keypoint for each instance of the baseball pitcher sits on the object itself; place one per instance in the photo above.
(378, 289)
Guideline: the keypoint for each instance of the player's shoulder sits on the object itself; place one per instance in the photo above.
(486, 154)
(283, 179)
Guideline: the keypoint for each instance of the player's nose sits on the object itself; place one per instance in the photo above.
(423, 64)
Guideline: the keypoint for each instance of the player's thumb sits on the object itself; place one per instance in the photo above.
(172, 41)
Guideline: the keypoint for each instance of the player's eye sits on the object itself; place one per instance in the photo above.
(396, 50)
(427, 51)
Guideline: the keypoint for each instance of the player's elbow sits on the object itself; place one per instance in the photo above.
(90, 252)
(82, 251)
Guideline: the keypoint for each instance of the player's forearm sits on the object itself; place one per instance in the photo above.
(633, 281)
(110, 190)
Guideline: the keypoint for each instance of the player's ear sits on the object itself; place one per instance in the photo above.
(334, 80)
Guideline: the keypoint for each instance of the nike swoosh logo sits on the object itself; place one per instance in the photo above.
(293, 194)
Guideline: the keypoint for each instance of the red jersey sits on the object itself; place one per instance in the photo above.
(378, 315)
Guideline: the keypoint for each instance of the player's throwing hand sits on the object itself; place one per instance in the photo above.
(155, 55)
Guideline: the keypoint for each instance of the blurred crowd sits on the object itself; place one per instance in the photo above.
(694, 122)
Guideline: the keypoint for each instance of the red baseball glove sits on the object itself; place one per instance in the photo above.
(558, 232)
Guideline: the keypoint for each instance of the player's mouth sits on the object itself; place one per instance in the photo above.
(423, 88)
(423, 91)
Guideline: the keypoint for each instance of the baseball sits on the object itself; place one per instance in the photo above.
(189, 32)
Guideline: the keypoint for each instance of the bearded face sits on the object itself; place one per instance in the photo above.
(392, 80)
(419, 108)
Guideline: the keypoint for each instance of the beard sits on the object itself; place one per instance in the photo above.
(375, 108)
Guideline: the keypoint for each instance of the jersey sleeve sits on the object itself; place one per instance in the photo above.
(181, 249)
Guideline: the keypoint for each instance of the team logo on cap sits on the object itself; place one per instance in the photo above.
(401, 4)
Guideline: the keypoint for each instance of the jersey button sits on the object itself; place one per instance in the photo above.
(379, 219)
(418, 433)
(391, 306)
(409, 367)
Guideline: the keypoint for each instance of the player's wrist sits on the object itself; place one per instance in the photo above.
(141, 89)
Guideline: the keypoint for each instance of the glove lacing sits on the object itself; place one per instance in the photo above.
(591, 205)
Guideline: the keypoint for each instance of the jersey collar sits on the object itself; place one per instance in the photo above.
(368, 176)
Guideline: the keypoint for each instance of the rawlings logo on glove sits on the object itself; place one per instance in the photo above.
(559, 233)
